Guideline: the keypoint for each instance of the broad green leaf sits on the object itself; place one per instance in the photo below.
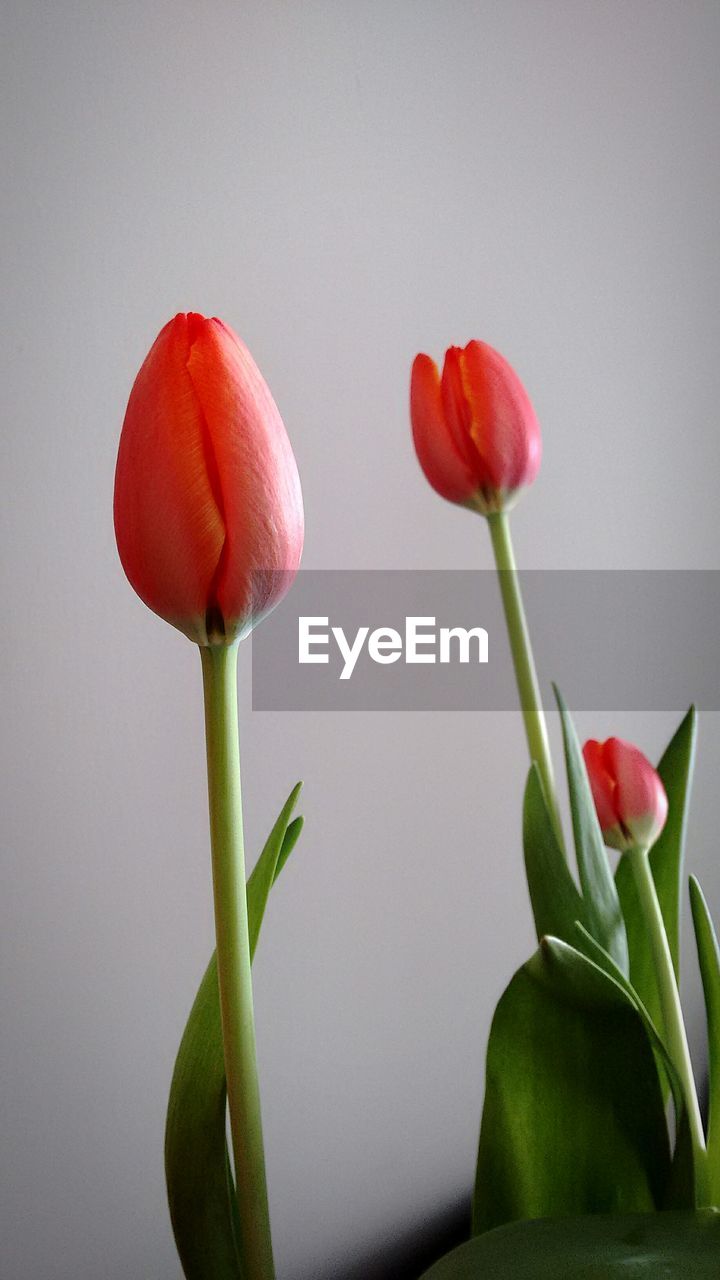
(666, 861)
(595, 952)
(556, 902)
(574, 1120)
(709, 958)
(684, 1176)
(657, 1246)
(200, 1186)
(602, 906)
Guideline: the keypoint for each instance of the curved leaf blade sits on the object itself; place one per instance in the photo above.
(574, 1118)
(685, 1177)
(265, 869)
(594, 951)
(196, 1167)
(602, 905)
(200, 1187)
(555, 899)
(676, 1246)
(709, 959)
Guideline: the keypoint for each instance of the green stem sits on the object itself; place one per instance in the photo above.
(525, 674)
(219, 664)
(674, 1026)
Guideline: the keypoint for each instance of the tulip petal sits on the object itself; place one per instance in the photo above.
(458, 411)
(640, 796)
(502, 423)
(435, 444)
(259, 486)
(169, 529)
(602, 785)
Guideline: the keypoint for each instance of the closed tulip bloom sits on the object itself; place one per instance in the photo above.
(629, 796)
(208, 507)
(475, 431)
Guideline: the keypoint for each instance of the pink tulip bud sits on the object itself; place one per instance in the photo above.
(629, 797)
(475, 432)
(208, 508)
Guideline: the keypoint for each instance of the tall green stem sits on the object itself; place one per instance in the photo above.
(525, 674)
(219, 664)
(674, 1025)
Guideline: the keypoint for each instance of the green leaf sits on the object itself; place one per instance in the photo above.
(290, 839)
(595, 952)
(556, 902)
(674, 1246)
(602, 905)
(709, 959)
(200, 1186)
(680, 1192)
(195, 1148)
(574, 1119)
(264, 872)
(666, 862)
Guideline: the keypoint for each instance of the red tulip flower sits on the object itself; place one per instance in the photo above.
(208, 508)
(475, 431)
(629, 797)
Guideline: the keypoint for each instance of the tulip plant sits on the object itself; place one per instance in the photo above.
(594, 1159)
(209, 526)
(593, 1156)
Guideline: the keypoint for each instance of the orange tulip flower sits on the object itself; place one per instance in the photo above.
(208, 507)
(475, 432)
(630, 799)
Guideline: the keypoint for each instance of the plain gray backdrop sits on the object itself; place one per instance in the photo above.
(346, 184)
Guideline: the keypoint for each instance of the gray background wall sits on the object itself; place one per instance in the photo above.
(346, 184)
